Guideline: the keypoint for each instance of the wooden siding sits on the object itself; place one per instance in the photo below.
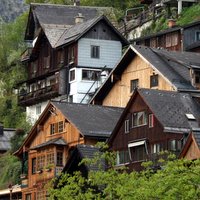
(101, 31)
(154, 135)
(193, 151)
(137, 69)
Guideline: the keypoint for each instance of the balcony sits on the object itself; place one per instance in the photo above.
(29, 98)
(26, 54)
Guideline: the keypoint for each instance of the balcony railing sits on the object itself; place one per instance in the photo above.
(29, 98)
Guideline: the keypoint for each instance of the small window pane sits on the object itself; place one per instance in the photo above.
(60, 126)
(151, 120)
(154, 81)
(72, 75)
(95, 51)
(127, 127)
(122, 157)
(33, 165)
(134, 84)
(59, 161)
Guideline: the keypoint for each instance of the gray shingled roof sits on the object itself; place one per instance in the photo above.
(90, 152)
(5, 139)
(91, 120)
(56, 141)
(63, 14)
(175, 66)
(170, 108)
(75, 31)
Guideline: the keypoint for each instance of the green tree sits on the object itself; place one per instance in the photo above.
(177, 179)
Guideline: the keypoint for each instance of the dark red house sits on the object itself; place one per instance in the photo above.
(153, 121)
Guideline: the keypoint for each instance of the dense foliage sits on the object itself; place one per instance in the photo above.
(10, 170)
(177, 179)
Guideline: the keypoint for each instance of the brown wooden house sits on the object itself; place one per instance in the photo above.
(70, 47)
(191, 149)
(153, 121)
(175, 38)
(60, 128)
(145, 67)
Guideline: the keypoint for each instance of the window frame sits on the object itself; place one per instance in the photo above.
(72, 75)
(154, 80)
(197, 35)
(134, 84)
(135, 114)
(151, 120)
(91, 74)
(59, 161)
(95, 51)
(136, 145)
(34, 165)
(122, 157)
(127, 126)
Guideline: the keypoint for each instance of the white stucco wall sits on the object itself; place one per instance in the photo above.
(110, 53)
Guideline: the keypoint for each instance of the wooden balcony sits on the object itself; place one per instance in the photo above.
(29, 98)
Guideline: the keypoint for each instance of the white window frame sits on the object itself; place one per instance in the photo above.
(151, 120)
(70, 71)
(135, 114)
(135, 145)
(127, 126)
(118, 159)
(90, 71)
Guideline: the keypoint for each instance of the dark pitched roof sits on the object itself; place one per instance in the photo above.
(173, 66)
(76, 31)
(170, 108)
(56, 141)
(62, 16)
(5, 139)
(91, 120)
(81, 152)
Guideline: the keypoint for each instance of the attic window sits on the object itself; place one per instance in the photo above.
(95, 51)
(154, 80)
(190, 116)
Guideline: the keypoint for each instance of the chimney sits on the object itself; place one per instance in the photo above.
(171, 23)
(77, 3)
(79, 18)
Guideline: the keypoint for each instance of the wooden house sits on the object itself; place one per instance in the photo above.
(191, 149)
(145, 67)
(71, 47)
(61, 127)
(153, 121)
(175, 38)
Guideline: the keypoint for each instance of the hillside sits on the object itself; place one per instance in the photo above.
(10, 9)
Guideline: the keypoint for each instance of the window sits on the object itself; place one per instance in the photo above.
(38, 110)
(153, 80)
(33, 165)
(139, 119)
(41, 195)
(197, 35)
(197, 76)
(137, 151)
(53, 128)
(151, 120)
(56, 127)
(28, 196)
(175, 145)
(59, 160)
(50, 158)
(127, 126)
(134, 84)
(72, 75)
(40, 162)
(60, 126)
(122, 157)
(156, 148)
(95, 51)
(71, 54)
(171, 39)
(90, 75)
